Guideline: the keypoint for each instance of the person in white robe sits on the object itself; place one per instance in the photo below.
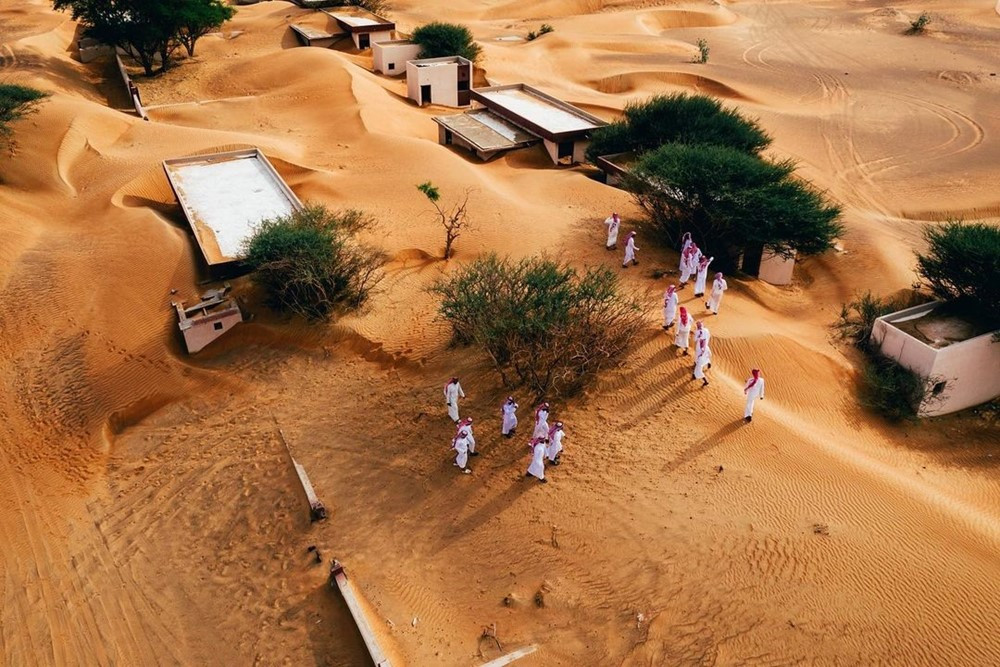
(630, 249)
(683, 335)
(701, 333)
(686, 242)
(688, 264)
(541, 421)
(613, 223)
(719, 285)
(461, 446)
(508, 424)
(555, 447)
(699, 283)
(754, 389)
(537, 466)
(452, 392)
(702, 360)
(669, 307)
(466, 424)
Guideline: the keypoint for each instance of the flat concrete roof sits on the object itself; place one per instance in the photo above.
(225, 195)
(486, 131)
(355, 19)
(310, 33)
(549, 117)
(435, 62)
(938, 324)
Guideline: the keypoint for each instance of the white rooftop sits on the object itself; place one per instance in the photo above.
(356, 20)
(227, 199)
(538, 111)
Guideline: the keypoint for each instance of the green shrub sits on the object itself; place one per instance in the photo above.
(702, 51)
(731, 200)
(891, 390)
(546, 29)
(857, 319)
(308, 263)
(440, 40)
(531, 36)
(962, 264)
(16, 102)
(918, 25)
(542, 324)
(677, 118)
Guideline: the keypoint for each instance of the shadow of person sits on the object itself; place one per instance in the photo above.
(703, 446)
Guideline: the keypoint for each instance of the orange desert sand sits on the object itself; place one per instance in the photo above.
(148, 514)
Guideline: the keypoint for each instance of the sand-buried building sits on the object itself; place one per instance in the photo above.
(518, 115)
(224, 196)
(445, 81)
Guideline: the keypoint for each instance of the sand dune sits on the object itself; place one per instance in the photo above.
(147, 515)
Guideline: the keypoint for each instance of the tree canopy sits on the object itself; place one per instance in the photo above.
(962, 263)
(148, 29)
(730, 200)
(440, 40)
(309, 262)
(541, 322)
(678, 118)
(16, 102)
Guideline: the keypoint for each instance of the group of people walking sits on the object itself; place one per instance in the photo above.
(546, 441)
(693, 262)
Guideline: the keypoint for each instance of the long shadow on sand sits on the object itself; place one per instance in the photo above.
(703, 446)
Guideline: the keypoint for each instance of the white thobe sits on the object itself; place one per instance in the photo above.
(555, 445)
(703, 359)
(462, 447)
(537, 467)
(699, 283)
(669, 309)
(718, 287)
(472, 438)
(702, 334)
(613, 227)
(629, 251)
(509, 418)
(541, 424)
(753, 393)
(686, 269)
(683, 334)
(451, 394)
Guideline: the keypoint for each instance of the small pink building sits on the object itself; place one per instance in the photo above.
(213, 316)
(957, 354)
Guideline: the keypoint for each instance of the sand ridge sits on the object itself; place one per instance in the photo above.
(146, 512)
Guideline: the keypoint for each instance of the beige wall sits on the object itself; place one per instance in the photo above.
(971, 368)
(443, 80)
(776, 269)
(203, 332)
(379, 36)
(398, 54)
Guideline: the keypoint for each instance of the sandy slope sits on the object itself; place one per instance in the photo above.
(146, 512)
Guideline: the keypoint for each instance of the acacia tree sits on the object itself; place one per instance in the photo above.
(542, 323)
(197, 18)
(440, 40)
(16, 102)
(148, 28)
(962, 263)
(731, 200)
(678, 118)
(454, 220)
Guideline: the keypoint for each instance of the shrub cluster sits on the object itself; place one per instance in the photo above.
(542, 323)
(309, 262)
(16, 102)
(962, 264)
(441, 40)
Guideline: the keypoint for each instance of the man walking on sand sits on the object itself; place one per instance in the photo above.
(719, 285)
(683, 334)
(669, 307)
(452, 392)
(541, 421)
(537, 466)
(701, 333)
(688, 264)
(460, 443)
(699, 282)
(466, 425)
(554, 448)
(509, 412)
(630, 251)
(613, 223)
(754, 389)
(702, 360)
